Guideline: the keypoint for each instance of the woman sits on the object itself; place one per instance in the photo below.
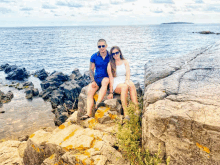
(119, 75)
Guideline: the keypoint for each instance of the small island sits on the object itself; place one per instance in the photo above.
(178, 23)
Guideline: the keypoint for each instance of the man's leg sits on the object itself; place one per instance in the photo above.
(90, 99)
(103, 90)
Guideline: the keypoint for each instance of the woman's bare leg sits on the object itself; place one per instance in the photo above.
(133, 92)
(122, 89)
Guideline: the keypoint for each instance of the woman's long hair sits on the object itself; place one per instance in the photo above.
(112, 60)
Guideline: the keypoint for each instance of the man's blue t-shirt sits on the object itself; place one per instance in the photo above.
(100, 65)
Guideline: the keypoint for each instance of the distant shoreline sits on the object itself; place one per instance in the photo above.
(178, 23)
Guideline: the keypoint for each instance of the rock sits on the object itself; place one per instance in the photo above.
(45, 85)
(41, 74)
(114, 105)
(5, 98)
(83, 82)
(9, 151)
(4, 66)
(61, 115)
(20, 87)
(35, 92)
(139, 90)
(73, 117)
(38, 149)
(71, 91)
(29, 92)
(23, 138)
(76, 75)
(46, 95)
(27, 84)
(17, 74)
(181, 107)
(206, 32)
(9, 95)
(69, 105)
(82, 103)
(99, 159)
(10, 68)
(57, 98)
(86, 75)
(55, 80)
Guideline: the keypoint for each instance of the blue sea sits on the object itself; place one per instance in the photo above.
(66, 48)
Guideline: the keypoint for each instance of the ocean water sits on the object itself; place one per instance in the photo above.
(66, 48)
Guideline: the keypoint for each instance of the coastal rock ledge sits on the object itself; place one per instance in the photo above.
(182, 107)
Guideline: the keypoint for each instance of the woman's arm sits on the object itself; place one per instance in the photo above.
(111, 78)
(127, 67)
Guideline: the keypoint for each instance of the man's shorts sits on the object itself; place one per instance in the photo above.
(99, 81)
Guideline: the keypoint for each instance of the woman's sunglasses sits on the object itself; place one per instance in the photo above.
(101, 46)
(116, 53)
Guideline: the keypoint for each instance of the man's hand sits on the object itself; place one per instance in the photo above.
(94, 85)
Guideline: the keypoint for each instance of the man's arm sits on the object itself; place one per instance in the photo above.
(91, 71)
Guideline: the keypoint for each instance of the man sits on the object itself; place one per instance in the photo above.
(98, 62)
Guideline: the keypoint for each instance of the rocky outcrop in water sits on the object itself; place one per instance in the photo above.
(14, 72)
(41, 74)
(181, 107)
(63, 92)
(207, 32)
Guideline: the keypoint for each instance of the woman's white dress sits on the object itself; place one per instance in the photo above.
(120, 75)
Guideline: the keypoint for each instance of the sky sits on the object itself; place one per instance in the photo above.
(19, 13)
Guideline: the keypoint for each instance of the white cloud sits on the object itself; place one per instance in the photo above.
(107, 12)
(76, 4)
(26, 9)
(6, 1)
(162, 1)
(4, 10)
(48, 6)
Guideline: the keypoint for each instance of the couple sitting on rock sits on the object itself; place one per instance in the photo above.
(110, 68)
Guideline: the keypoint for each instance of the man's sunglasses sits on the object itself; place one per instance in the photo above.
(101, 46)
(116, 53)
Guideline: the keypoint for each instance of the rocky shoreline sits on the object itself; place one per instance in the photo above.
(84, 142)
(181, 114)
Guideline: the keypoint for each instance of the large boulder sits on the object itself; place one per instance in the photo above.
(72, 144)
(181, 107)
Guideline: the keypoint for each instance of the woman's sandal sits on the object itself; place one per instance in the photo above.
(84, 117)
